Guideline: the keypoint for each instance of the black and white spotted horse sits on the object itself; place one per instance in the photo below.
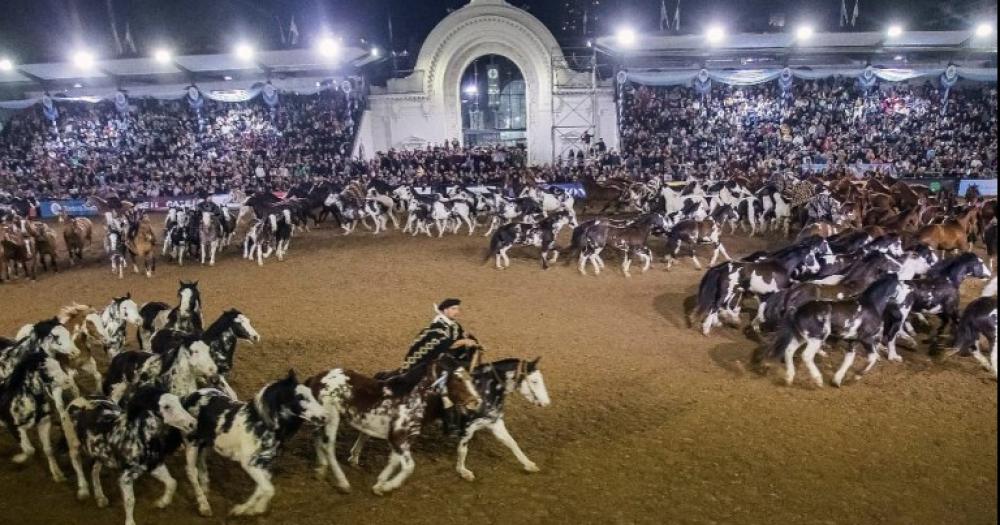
(134, 437)
(251, 434)
(392, 409)
(121, 312)
(185, 317)
(35, 382)
(175, 234)
(221, 338)
(979, 321)
(542, 235)
(551, 200)
(181, 368)
(494, 381)
(858, 320)
(693, 233)
(590, 238)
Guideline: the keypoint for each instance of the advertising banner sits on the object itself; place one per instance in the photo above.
(73, 207)
(987, 187)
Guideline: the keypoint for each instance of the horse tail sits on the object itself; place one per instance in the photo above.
(494, 245)
(710, 288)
(787, 334)
(577, 241)
(966, 336)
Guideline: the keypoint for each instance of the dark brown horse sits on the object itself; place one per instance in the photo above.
(18, 250)
(611, 193)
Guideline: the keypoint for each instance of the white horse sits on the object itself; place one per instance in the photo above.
(209, 237)
(551, 202)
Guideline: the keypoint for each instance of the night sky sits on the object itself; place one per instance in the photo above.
(43, 30)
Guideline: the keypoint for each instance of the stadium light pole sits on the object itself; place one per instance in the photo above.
(626, 37)
(6, 64)
(715, 35)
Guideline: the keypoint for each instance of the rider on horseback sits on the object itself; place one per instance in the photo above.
(444, 334)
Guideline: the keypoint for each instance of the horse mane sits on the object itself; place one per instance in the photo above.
(948, 268)
(43, 329)
(878, 289)
(223, 323)
(143, 399)
(74, 313)
(24, 366)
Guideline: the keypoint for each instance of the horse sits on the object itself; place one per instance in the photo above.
(77, 233)
(722, 287)
(209, 237)
(990, 239)
(591, 237)
(252, 434)
(692, 233)
(178, 369)
(551, 200)
(542, 235)
(185, 317)
(114, 245)
(979, 320)
(493, 381)
(611, 193)
(45, 245)
(142, 243)
(858, 320)
(136, 437)
(221, 337)
(392, 410)
(35, 381)
(18, 250)
(116, 316)
(953, 234)
(88, 331)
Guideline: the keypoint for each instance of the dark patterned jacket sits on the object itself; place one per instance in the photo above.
(434, 340)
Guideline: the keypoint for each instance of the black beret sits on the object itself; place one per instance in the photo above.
(448, 303)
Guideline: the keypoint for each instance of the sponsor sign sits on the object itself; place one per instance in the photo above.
(73, 207)
(986, 186)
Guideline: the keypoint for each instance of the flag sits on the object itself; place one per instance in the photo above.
(843, 13)
(857, 12)
(664, 17)
(677, 17)
(585, 21)
(128, 43)
(293, 33)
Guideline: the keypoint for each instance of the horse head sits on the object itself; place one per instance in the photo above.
(531, 383)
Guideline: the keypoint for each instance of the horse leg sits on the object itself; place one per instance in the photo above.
(813, 346)
(356, 449)
(597, 258)
(326, 441)
(583, 262)
(845, 366)
(647, 259)
(27, 449)
(257, 502)
(463, 451)
(873, 357)
(45, 437)
(790, 349)
(395, 459)
(192, 468)
(169, 486)
(499, 430)
(406, 467)
(126, 482)
(626, 262)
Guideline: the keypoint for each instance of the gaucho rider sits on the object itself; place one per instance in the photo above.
(444, 334)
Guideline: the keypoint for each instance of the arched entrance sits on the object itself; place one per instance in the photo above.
(494, 103)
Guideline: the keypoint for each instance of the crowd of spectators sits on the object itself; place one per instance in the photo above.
(910, 129)
(166, 149)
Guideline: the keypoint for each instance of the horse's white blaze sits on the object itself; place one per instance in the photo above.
(533, 389)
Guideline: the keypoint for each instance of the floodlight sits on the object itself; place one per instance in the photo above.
(244, 51)
(804, 33)
(983, 30)
(163, 56)
(83, 59)
(626, 37)
(715, 34)
(895, 31)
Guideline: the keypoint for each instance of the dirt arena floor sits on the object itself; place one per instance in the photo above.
(650, 421)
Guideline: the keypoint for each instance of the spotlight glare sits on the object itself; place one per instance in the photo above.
(804, 33)
(328, 47)
(471, 89)
(983, 30)
(626, 37)
(895, 31)
(376, 52)
(244, 52)
(162, 56)
(715, 34)
(6, 64)
(83, 59)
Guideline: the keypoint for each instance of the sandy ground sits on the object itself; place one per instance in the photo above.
(650, 421)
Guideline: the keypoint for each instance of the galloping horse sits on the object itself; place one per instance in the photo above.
(953, 234)
(142, 243)
(17, 250)
(77, 234)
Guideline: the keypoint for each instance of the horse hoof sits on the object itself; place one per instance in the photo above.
(344, 489)
(205, 511)
(531, 467)
(58, 477)
(82, 494)
(378, 490)
(467, 475)
(101, 502)
(162, 503)
(320, 473)
(20, 458)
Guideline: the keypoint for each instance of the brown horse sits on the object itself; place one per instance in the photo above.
(953, 234)
(142, 243)
(611, 193)
(18, 250)
(77, 233)
(45, 244)
(903, 221)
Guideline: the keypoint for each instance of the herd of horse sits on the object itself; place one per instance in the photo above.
(171, 393)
